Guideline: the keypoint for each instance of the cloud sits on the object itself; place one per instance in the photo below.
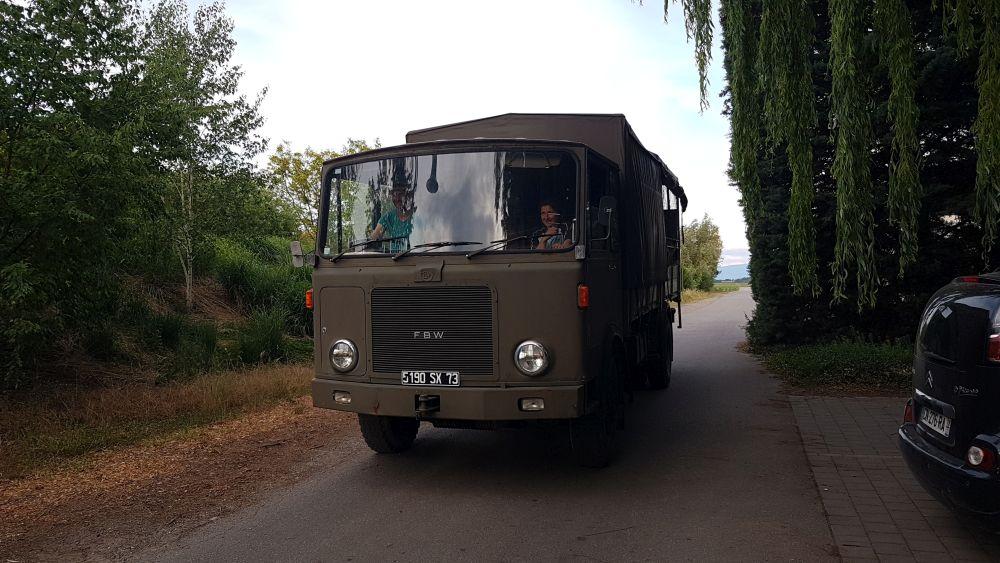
(734, 257)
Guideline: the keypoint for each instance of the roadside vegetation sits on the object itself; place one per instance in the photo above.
(146, 284)
(45, 431)
(695, 295)
(845, 366)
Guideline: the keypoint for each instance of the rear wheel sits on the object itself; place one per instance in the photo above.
(595, 437)
(388, 434)
(659, 366)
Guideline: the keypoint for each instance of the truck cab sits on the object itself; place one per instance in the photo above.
(497, 272)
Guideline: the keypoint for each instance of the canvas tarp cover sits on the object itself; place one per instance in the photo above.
(645, 257)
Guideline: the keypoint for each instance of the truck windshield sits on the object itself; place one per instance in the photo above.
(476, 197)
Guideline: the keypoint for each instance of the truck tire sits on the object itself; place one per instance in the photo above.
(660, 364)
(594, 437)
(388, 434)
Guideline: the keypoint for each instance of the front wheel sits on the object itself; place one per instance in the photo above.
(388, 434)
(595, 437)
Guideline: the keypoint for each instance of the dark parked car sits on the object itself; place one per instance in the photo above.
(950, 435)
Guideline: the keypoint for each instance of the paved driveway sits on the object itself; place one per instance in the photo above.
(875, 507)
(712, 468)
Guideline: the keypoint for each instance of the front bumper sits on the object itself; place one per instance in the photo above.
(948, 479)
(455, 403)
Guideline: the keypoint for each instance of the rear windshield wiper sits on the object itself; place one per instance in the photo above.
(433, 245)
(364, 243)
(495, 244)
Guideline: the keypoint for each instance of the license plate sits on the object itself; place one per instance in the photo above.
(432, 378)
(935, 421)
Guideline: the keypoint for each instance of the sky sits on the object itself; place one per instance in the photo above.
(379, 68)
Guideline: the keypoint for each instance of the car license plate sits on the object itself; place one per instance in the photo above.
(935, 421)
(432, 378)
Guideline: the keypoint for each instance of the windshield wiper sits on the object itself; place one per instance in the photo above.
(433, 245)
(364, 243)
(495, 244)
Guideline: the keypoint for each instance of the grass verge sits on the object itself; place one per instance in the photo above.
(857, 367)
(40, 431)
(695, 295)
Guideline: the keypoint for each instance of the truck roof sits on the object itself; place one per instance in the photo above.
(608, 134)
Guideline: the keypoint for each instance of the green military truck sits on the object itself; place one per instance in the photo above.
(496, 272)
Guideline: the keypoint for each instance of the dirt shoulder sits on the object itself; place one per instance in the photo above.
(109, 504)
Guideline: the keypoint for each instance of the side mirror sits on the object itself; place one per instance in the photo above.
(606, 207)
(298, 259)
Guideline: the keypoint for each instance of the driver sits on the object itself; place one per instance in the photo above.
(552, 235)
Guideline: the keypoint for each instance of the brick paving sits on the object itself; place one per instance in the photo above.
(876, 509)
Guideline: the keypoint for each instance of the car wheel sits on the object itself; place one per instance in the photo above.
(388, 434)
(594, 437)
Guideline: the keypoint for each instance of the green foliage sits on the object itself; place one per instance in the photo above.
(295, 180)
(126, 150)
(262, 338)
(699, 27)
(790, 78)
(265, 279)
(195, 352)
(892, 19)
(844, 364)
(948, 232)
(740, 38)
(783, 65)
(850, 118)
(987, 125)
(68, 168)
(700, 252)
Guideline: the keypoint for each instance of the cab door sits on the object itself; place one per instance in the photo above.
(602, 270)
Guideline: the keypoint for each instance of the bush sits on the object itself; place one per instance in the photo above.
(194, 351)
(844, 364)
(262, 277)
(262, 338)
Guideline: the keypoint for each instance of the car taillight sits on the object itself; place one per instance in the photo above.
(993, 348)
(967, 279)
(981, 457)
(908, 412)
(309, 299)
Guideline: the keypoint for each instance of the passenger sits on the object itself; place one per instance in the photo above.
(552, 235)
(398, 221)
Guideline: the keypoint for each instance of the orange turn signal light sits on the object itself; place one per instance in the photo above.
(309, 299)
(582, 296)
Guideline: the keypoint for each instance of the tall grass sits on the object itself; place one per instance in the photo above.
(262, 338)
(262, 277)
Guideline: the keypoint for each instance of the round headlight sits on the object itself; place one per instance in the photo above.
(343, 355)
(531, 358)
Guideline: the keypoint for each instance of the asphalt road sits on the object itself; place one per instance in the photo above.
(712, 468)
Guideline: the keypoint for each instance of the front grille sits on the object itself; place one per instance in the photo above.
(432, 328)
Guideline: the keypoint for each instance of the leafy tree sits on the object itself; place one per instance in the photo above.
(207, 128)
(67, 168)
(700, 252)
(295, 179)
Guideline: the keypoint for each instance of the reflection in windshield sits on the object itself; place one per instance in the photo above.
(529, 196)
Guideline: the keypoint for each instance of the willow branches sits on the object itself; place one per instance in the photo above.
(700, 28)
(850, 119)
(987, 128)
(785, 78)
(745, 119)
(892, 21)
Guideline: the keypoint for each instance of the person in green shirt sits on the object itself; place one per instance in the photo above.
(397, 222)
